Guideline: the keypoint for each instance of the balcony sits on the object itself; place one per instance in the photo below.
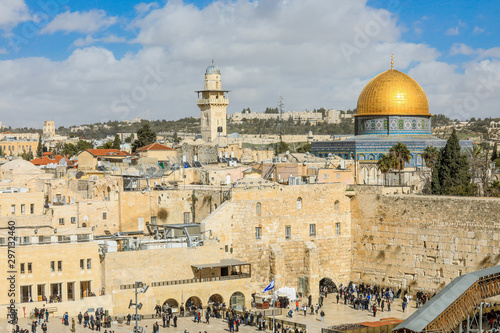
(217, 101)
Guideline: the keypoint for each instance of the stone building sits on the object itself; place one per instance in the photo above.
(213, 102)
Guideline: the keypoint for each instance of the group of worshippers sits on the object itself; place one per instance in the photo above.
(166, 315)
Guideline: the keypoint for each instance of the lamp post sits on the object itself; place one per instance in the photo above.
(138, 306)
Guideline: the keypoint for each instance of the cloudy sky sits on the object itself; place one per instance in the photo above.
(87, 61)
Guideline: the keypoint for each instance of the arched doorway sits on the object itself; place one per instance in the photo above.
(171, 303)
(215, 300)
(329, 284)
(193, 302)
(237, 301)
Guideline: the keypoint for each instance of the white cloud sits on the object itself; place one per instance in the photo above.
(13, 12)
(264, 49)
(89, 40)
(142, 7)
(477, 30)
(460, 48)
(455, 31)
(83, 22)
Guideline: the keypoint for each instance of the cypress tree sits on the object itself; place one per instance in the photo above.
(39, 148)
(494, 156)
(451, 174)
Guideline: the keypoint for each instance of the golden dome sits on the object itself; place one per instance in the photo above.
(393, 93)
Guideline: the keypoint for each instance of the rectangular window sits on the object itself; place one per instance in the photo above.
(73, 220)
(32, 208)
(61, 221)
(89, 264)
(82, 263)
(104, 215)
(288, 232)
(59, 266)
(23, 208)
(13, 209)
(187, 217)
(52, 266)
(22, 268)
(312, 229)
(337, 228)
(29, 268)
(258, 233)
(26, 240)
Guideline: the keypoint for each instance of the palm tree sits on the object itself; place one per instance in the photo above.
(385, 164)
(430, 156)
(401, 155)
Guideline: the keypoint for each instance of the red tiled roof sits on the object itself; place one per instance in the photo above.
(106, 152)
(45, 159)
(155, 146)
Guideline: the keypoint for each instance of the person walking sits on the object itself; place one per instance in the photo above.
(338, 298)
(374, 310)
(175, 320)
(382, 304)
(322, 314)
(304, 308)
(44, 327)
(389, 306)
(80, 317)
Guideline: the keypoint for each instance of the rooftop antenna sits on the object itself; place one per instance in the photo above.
(392, 61)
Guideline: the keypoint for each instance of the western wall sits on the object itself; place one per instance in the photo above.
(300, 260)
(421, 242)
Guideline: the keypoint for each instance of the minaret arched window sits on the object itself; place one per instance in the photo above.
(258, 208)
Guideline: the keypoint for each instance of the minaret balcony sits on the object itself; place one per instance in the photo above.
(217, 101)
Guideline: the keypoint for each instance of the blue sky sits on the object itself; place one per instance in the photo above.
(78, 61)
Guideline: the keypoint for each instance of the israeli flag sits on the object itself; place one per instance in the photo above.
(269, 287)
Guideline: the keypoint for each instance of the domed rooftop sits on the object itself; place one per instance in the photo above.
(212, 69)
(393, 93)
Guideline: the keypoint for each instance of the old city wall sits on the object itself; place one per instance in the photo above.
(302, 255)
(422, 242)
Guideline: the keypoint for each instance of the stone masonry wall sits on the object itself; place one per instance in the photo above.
(314, 257)
(422, 242)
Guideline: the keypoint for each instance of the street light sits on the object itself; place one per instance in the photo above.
(138, 306)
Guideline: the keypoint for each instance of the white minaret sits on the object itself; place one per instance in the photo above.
(213, 102)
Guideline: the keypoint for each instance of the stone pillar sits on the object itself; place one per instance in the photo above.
(276, 265)
(311, 269)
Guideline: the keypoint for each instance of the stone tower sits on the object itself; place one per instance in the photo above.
(49, 129)
(213, 102)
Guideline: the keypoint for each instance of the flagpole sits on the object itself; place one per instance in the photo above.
(274, 303)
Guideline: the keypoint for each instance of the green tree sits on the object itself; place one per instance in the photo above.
(28, 156)
(401, 155)
(128, 139)
(117, 142)
(305, 148)
(430, 156)
(69, 149)
(451, 174)
(494, 155)
(281, 147)
(83, 145)
(385, 164)
(39, 148)
(145, 136)
(494, 189)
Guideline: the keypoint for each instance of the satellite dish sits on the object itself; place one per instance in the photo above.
(85, 218)
(63, 162)
(79, 175)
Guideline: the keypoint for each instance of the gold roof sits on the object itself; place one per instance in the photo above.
(393, 93)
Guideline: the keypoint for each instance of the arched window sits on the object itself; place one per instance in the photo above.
(257, 208)
(337, 205)
(299, 203)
